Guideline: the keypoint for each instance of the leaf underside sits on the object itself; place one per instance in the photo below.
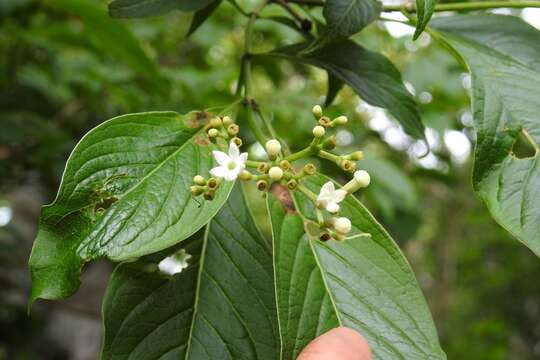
(371, 75)
(124, 194)
(221, 307)
(347, 17)
(503, 55)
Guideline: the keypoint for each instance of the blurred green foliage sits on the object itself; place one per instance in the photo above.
(66, 66)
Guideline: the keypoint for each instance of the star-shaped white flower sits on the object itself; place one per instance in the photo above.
(230, 165)
(329, 197)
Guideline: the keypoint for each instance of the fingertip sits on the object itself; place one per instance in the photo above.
(341, 343)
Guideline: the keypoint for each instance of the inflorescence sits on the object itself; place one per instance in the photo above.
(280, 169)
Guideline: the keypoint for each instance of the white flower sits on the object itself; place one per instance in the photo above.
(329, 197)
(230, 165)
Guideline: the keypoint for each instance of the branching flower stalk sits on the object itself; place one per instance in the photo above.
(278, 169)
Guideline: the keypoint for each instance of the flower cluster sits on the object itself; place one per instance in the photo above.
(279, 168)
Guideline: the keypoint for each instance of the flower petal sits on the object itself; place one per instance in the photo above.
(326, 191)
(219, 171)
(332, 207)
(243, 157)
(221, 157)
(234, 152)
(231, 175)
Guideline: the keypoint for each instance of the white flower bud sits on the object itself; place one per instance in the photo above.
(362, 178)
(273, 147)
(342, 225)
(318, 131)
(213, 132)
(341, 120)
(275, 173)
(317, 111)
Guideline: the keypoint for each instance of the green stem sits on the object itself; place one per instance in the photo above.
(246, 73)
(253, 164)
(329, 156)
(473, 5)
(266, 123)
(304, 190)
(301, 154)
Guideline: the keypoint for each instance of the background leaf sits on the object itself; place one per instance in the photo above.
(372, 286)
(424, 11)
(347, 17)
(503, 54)
(145, 8)
(334, 86)
(201, 15)
(229, 294)
(371, 75)
(114, 36)
(125, 193)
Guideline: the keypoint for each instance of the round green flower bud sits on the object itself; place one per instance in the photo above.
(213, 132)
(199, 180)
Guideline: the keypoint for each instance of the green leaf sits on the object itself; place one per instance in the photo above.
(124, 193)
(334, 86)
(347, 17)
(304, 307)
(145, 8)
(201, 15)
(371, 75)
(115, 38)
(221, 307)
(372, 286)
(424, 11)
(503, 55)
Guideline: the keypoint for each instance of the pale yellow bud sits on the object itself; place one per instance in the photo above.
(275, 173)
(273, 148)
(213, 132)
(318, 131)
(341, 120)
(227, 121)
(317, 111)
(215, 122)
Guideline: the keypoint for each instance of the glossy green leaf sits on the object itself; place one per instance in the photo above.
(114, 37)
(145, 8)
(371, 285)
(201, 15)
(347, 17)
(221, 307)
(424, 11)
(304, 307)
(124, 193)
(371, 75)
(503, 54)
